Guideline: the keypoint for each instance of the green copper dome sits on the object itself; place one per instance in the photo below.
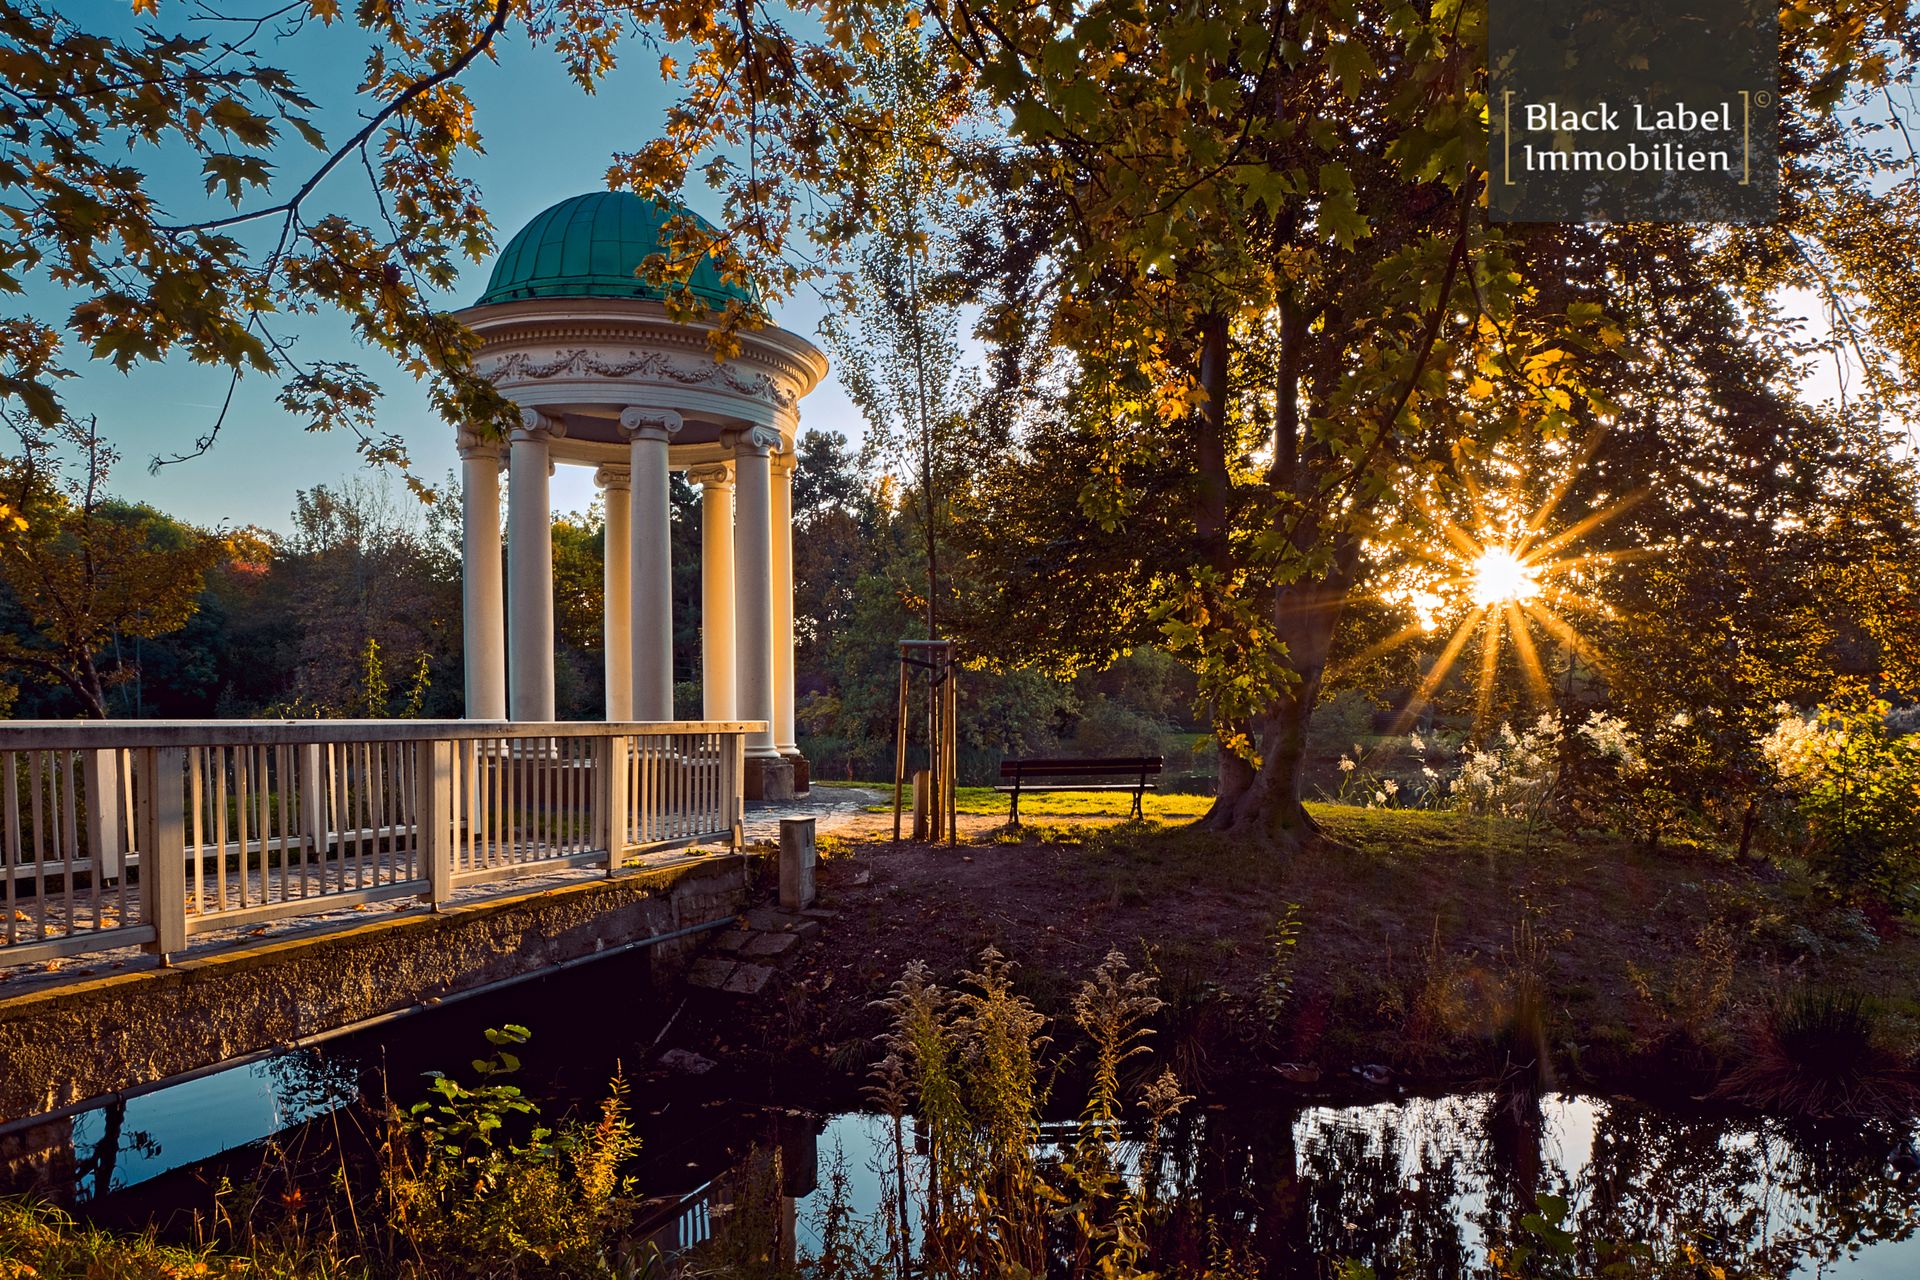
(589, 247)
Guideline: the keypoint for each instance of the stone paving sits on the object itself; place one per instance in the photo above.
(743, 961)
(832, 808)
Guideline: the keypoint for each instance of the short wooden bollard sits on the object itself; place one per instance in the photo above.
(798, 857)
(922, 806)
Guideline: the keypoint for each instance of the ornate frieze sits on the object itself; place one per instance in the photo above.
(639, 366)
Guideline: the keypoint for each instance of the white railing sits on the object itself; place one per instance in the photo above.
(124, 833)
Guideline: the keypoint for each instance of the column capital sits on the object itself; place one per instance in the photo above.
(760, 440)
(471, 445)
(616, 479)
(537, 426)
(784, 464)
(715, 475)
(637, 423)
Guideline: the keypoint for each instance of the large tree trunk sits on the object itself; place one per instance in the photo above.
(1268, 805)
(1212, 484)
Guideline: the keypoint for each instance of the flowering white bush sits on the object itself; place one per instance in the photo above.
(1518, 775)
(1365, 778)
(1799, 748)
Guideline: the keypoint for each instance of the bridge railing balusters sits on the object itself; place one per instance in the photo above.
(151, 833)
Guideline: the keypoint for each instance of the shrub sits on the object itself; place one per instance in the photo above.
(468, 1199)
(1856, 784)
(1818, 1052)
(1549, 770)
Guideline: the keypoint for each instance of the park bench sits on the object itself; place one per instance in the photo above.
(1051, 774)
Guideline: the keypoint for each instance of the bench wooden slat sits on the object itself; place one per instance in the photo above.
(1023, 773)
(1112, 764)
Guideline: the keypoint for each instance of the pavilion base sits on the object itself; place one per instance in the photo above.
(769, 778)
(802, 773)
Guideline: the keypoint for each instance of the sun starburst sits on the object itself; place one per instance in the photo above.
(1504, 578)
(1501, 577)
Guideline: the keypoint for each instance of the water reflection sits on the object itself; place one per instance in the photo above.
(128, 1141)
(1426, 1188)
(1430, 1187)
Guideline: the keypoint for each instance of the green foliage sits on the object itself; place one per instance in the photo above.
(84, 576)
(476, 1187)
(968, 1062)
(40, 1240)
(143, 272)
(373, 679)
(1857, 787)
(1276, 979)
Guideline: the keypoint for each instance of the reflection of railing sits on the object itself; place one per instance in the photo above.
(147, 832)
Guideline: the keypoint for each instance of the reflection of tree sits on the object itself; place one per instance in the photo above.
(93, 1172)
(1514, 1166)
(306, 1083)
(1668, 1181)
(1757, 1198)
(1403, 1187)
(1420, 1190)
(1840, 1188)
(1386, 1190)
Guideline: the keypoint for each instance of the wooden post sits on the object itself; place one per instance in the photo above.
(610, 824)
(936, 752)
(736, 787)
(315, 787)
(923, 803)
(100, 772)
(163, 847)
(899, 748)
(953, 753)
(433, 804)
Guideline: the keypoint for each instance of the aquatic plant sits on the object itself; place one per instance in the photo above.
(473, 1184)
(966, 1065)
(1818, 1052)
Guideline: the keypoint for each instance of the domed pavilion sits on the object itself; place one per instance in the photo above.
(606, 379)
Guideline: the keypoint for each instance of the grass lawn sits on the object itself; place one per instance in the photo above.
(987, 802)
(1417, 937)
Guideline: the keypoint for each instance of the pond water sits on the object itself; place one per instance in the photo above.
(1414, 1186)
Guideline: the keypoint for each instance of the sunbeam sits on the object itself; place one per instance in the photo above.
(1508, 573)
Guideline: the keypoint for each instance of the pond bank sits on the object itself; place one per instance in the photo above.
(1443, 949)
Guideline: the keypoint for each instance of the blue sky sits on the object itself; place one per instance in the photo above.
(545, 140)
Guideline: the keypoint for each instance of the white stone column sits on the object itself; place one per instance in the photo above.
(717, 641)
(649, 431)
(482, 591)
(783, 466)
(530, 567)
(616, 627)
(753, 582)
